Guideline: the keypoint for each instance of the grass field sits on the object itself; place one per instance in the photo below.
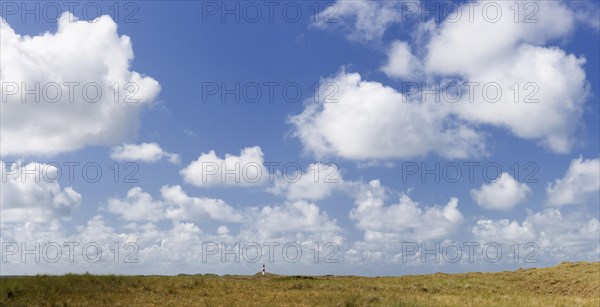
(568, 284)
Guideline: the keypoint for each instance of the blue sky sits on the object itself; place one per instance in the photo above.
(367, 57)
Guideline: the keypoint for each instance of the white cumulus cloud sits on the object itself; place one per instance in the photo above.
(559, 237)
(543, 88)
(404, 221)
(184, 207)
(552, 90)
(317, 182)
(145, 152)
(580, 184)
(401, 63)
(360, 20)
(82, 79)
(31, 193)
(175, 205)
(296, 221)
(468, 45)
(209, 170)
(507, 74)
(372, 121)
(502, 194)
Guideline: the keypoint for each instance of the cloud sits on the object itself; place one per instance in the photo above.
(292, 221)
(387, 227)
(145, 152)
(586, 13)
(503, 231)
(401, 63)
(96, 230)
(180, 245)
(372, 121)
(137, 206)
(175, 205)
(94, 233)
(185, 207)
(405, 221)
(503, 194)
(559, 237)
(360, 20)
(469, 45)
(552, 90)
(30, 194)
(297, 221)
(505, 53)
(317, 182)
(81, 74)
(580, 184)
(222, 230)
(209, 170)
(505, 75)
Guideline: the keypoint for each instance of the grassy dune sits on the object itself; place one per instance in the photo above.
(567, 284)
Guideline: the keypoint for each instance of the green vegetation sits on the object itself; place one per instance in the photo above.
(568, 284)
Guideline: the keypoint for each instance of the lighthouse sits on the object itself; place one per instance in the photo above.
(263, 270)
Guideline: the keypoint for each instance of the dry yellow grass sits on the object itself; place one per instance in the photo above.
(568, 284)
